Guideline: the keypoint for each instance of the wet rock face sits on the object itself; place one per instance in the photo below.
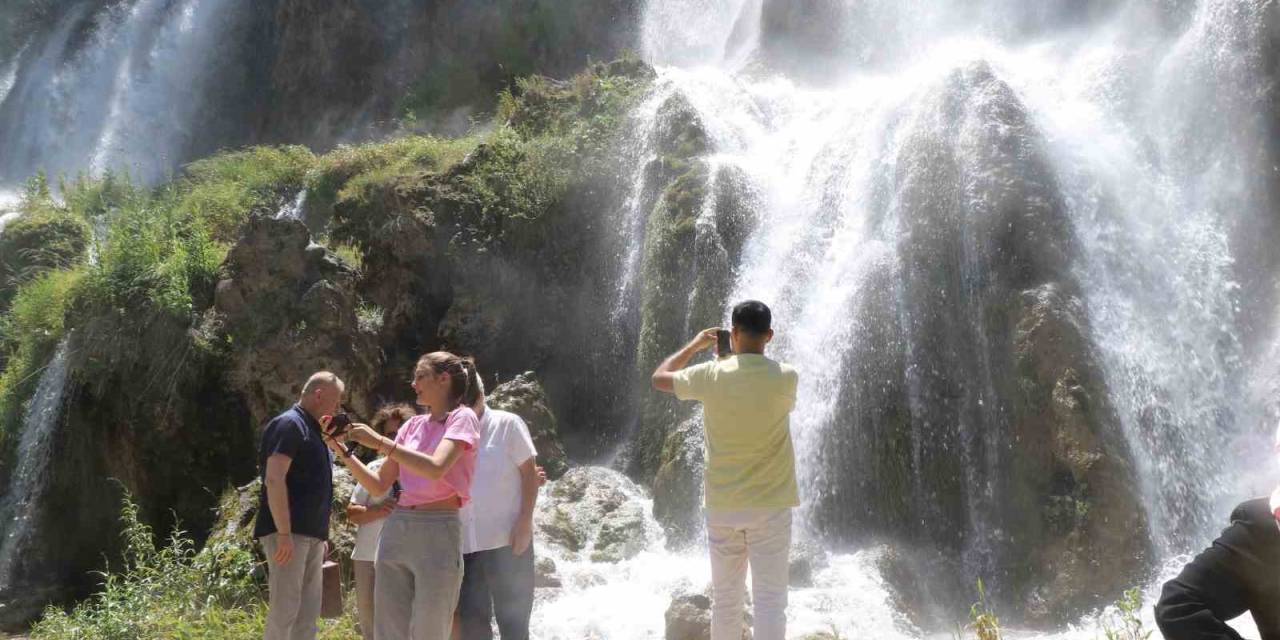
(523, 396)
(701, 215)
(288, 309)
(352, 65)
(593, 513)
(974, 369)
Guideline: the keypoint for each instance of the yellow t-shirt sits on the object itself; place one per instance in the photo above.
(746, 401)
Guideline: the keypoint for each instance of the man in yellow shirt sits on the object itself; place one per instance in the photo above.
(750, 468)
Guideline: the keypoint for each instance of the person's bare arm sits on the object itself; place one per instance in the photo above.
(431, 465)
(664, 376)
(359, 514)
(522, 532)
(278, 502)
(375, 482)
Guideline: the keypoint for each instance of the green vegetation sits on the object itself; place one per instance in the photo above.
(30, 332)
(221, 191)
(1126, 620)
(348, 170)
(127, 274)
(174, 592)
(45, 237)
(983, 621)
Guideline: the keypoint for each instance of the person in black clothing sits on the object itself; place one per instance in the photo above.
(1240, 572)
(293, 508)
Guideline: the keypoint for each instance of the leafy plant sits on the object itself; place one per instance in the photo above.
(1126, 618)
(982, 618)
(172, 591)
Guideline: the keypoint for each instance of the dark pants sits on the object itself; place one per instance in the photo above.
(496, 583)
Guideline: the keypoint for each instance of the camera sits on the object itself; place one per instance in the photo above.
(339, 424)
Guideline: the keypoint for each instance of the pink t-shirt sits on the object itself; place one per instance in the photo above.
(422, 434)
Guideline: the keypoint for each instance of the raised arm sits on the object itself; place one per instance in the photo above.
(664, 376)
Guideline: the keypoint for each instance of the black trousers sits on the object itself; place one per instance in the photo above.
(496, 583)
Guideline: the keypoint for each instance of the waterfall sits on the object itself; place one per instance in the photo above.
(110, 88)
(883, 170)
(31, 475)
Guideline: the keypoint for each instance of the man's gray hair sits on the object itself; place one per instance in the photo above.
(325, 378)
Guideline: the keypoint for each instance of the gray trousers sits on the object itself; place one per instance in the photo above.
(364, 596)
(419, 574)
(293, 604)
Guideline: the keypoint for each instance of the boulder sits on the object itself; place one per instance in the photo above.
(523, 395)
(286, 308)
(595, 513)
(544, 573)
(689, 616)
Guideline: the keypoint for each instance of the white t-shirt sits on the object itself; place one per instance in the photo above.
(367, 534)
(495, 489)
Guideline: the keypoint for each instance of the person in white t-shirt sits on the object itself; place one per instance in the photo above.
(368, 513)
(497, 530)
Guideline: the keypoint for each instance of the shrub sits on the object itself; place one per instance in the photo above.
(1128, 623)
(172, 592)
(982, 618)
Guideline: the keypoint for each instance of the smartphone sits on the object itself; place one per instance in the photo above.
(723, 346)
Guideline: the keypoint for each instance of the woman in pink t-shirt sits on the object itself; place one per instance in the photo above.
(419, 560)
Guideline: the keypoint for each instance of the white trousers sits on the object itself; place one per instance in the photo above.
(760, 539)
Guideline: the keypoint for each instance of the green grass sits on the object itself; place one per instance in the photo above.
(30, 331)
(349, 169)
(171, 591)
(221, 191)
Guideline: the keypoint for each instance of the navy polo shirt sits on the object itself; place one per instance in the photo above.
(309, 481)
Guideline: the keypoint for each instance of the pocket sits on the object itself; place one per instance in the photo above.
(446, 551)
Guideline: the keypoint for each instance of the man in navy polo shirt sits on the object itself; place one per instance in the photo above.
(293, 509)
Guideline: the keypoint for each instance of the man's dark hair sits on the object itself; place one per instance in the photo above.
(752, 317)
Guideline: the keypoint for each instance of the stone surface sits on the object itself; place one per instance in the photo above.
(545, 576)
(286, 308)
(974, 368)
(594, 513)
(523, 395)
(239, 507)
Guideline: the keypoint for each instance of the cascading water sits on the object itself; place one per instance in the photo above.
(110, 88)
(31, 476)
(1125, 134)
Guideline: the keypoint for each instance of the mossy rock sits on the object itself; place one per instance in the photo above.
(524, 396)
(37, 242)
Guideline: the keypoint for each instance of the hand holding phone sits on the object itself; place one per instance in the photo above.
(724, 347)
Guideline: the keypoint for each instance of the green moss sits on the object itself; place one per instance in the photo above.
(350, 170)
(31, 329)
(44, 238)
